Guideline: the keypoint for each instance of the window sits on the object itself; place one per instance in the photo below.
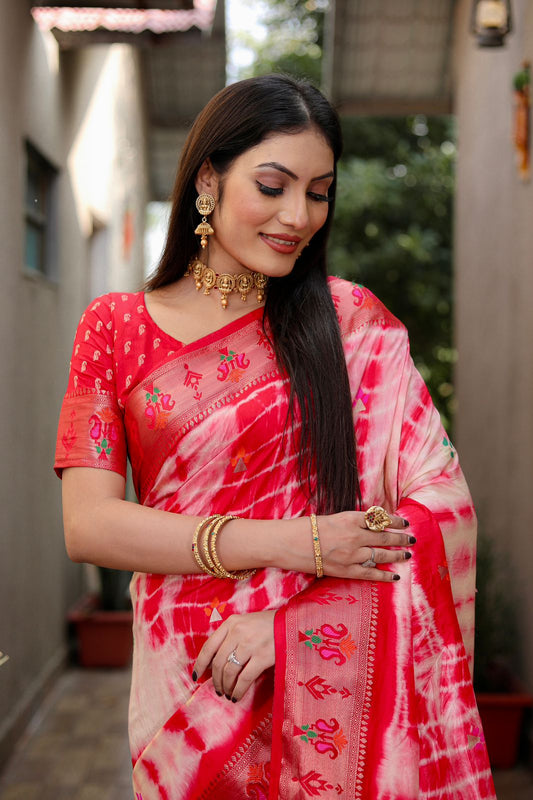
(40, 216)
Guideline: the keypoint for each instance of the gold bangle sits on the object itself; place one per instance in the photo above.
(205, 544)
(238, 575)
(316, 547)
(195, 544)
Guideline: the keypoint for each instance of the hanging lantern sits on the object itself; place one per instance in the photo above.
(491, 22)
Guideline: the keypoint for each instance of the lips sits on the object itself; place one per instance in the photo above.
(281, 242)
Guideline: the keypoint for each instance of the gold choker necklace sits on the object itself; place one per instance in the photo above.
(226, 283)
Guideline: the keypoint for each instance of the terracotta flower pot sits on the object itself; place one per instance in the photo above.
(105, 638)
(502, 715)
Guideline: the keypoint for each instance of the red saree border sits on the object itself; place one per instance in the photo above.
(189, 410)
(280, 645)
(340, 622)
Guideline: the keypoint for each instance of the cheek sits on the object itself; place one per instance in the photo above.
(319, 216)
(244, 211)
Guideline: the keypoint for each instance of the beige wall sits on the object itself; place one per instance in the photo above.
(83, 111)
(494, 295)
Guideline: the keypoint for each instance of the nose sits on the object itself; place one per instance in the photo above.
(294, 212)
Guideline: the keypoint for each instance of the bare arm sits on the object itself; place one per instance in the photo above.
(101, 527)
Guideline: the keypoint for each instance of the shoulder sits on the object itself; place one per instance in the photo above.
(112, 310)
(357, 307)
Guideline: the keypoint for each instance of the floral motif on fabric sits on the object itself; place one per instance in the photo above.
(192, 380)
(331, 643)
(326, 737)
(104, 431)
(158, 408)
(69, 437)
(446, 442)
(258, 781)
(476, 740)
(263, 342)
(240, 461)
(320, 690)
(215, 610)
(328, 598)
(361, 399)
(362, 297)
(232, 365)
(314, 784)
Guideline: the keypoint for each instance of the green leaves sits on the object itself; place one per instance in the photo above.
(392, 232)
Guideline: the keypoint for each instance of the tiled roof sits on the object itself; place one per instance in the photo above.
(125, 20)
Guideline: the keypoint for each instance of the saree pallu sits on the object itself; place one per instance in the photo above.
(371, 696)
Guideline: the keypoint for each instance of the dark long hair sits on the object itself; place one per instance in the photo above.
(299, 315)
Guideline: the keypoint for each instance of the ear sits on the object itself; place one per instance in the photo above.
(207, 179)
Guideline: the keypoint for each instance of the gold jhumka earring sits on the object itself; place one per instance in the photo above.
(205, 203)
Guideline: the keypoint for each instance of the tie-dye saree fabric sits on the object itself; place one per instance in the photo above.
(371, 694)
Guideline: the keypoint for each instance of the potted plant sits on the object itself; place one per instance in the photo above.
(103, 622)
(501, 698)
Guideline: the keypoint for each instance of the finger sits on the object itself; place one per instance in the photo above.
(222, 669)
(374, 574)
(246, 677)
(388, 539)
(208, 652)
(390, 556)
(398, 522)
(230, 674)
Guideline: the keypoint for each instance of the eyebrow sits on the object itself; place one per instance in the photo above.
(281, 168)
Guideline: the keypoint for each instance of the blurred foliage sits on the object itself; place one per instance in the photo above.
(393, 217)
(392, 232)
(294, 38)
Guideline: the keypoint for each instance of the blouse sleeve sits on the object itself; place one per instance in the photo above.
(91, 427)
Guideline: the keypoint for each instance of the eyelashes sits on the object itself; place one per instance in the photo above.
(270, 191)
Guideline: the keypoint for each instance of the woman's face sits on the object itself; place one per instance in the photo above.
(274, 200)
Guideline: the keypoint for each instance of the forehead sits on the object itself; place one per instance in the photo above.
(303, 152)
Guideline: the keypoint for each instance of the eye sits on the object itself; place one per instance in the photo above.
(320, 198)
(269, 190)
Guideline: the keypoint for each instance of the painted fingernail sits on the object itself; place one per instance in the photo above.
(395, 577)
(228, 697)
(412, 540)
(194, 675)
(405, 523)
(233, 699)
(407, 556)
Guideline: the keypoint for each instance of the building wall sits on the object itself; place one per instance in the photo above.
(83, 110)
(494, 317)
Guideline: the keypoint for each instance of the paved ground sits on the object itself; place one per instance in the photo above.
(76, 747)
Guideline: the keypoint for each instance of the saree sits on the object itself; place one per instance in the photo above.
(371, 695)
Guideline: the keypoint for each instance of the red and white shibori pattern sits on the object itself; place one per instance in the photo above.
(203, 426)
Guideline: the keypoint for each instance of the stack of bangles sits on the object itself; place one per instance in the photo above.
(204, 548)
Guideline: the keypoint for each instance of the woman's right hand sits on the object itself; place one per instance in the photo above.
(346, 543)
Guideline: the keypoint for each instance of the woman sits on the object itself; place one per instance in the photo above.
(239, 425)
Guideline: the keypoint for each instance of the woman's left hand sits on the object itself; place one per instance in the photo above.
(251, 638)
